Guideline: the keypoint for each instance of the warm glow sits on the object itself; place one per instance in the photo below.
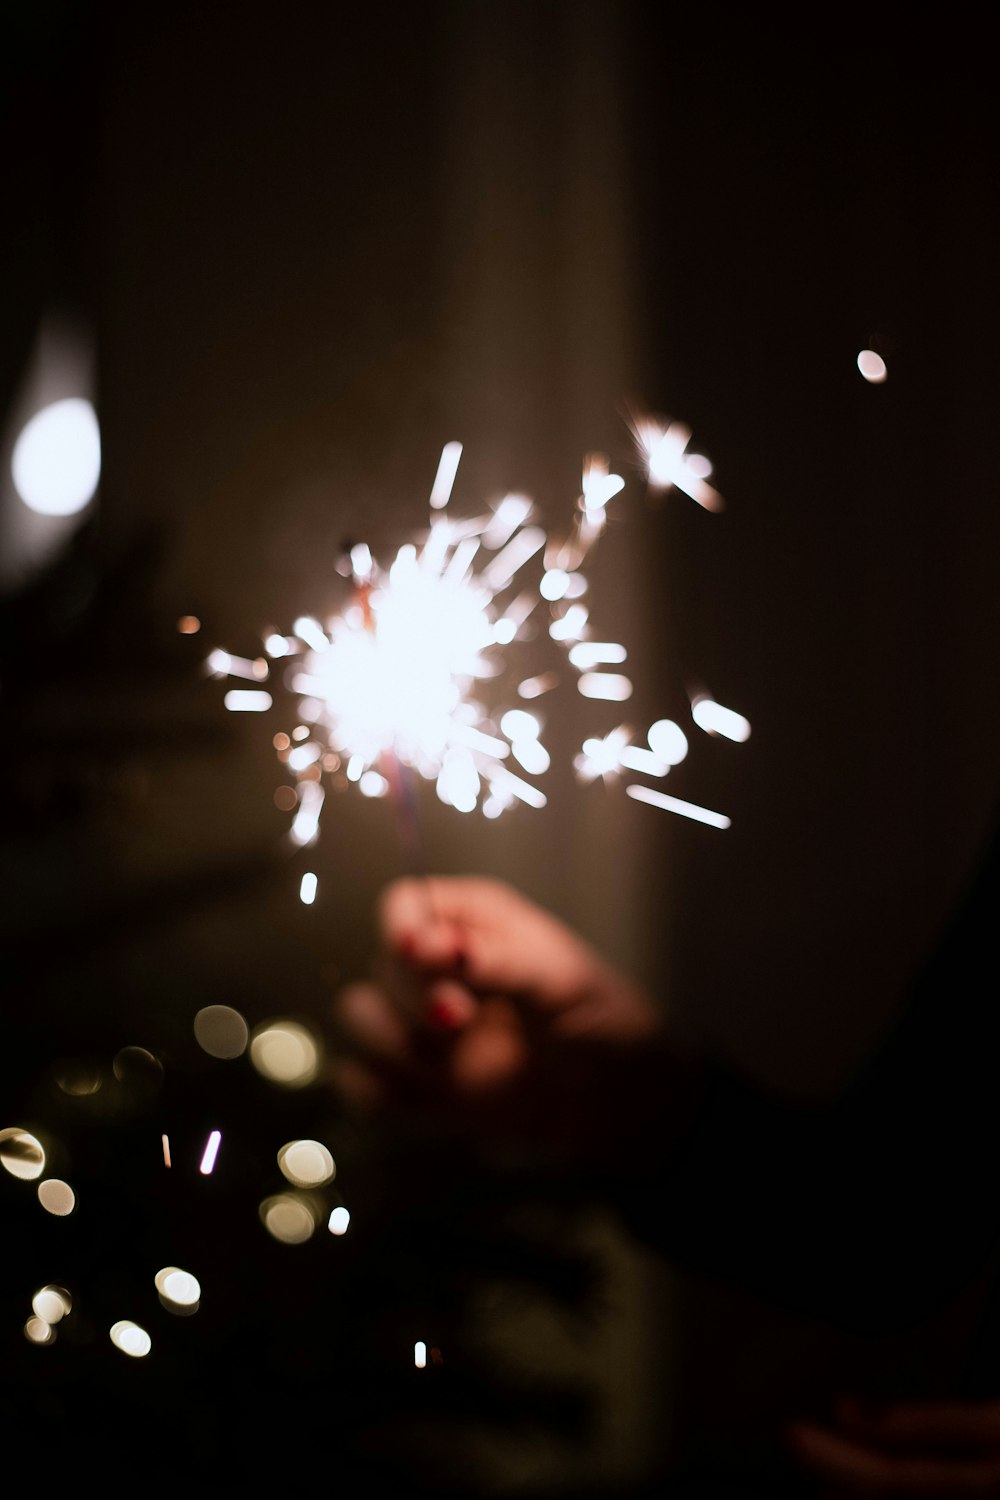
(715, 719)
(189, 624)
(221, 1031)
(307, 1163)
(675, 805)
(165, 1143)
(37, 1331)
(288, 1217)
(52, 1303)
(179, 1291)
(56, 463)
(77, 1078)
(56, 1197)
(21, 1153)
(285, 1052)
(131, 1339)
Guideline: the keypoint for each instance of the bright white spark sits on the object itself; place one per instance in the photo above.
(420, 1354)
(715, 719)
(676, 805)
(246, 701)
(211, 1152)
(670, 466)
(587, 654)
(635, 758)
(56, 462)
(445, 476)
(307, 888)
(668, 741)
(340, 1218)
(611, 686)
(399, 678)
(602, 757)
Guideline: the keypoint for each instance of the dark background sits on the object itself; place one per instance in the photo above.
(315, 244)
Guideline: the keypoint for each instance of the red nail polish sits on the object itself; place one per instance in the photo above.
(442, 1015)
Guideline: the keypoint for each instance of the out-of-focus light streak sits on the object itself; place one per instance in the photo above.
(872, 366)
(288, 1217)
(56, 1197)
(307, 1164)
(635, 758)
(444, 479)
(165, 1142)
(534, 687)
(21, 1153)
(130, 1338)
(307, 888)
(668, 464)
(339, 1220)
(246, 701)
(420, 1355)
(676, 805)
(56, 462)
(53, 1303)
(179, 1292)
(611, 686)
(221, 1031)
(587, 654)
(601, 757)
(667, 741)
(715, 719)
(37, 1331)
(210, 1153)
(285, 1052)
(224, 664)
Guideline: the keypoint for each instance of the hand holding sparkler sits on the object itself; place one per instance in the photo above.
(492, 1010)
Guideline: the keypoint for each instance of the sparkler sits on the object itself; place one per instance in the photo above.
(410, 679)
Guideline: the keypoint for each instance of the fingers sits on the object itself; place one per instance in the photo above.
(862, 1468)
(493, 938)
(926, 1425)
